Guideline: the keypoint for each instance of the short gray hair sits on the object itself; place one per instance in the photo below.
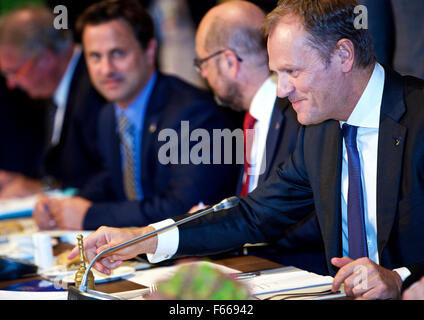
(36, 34)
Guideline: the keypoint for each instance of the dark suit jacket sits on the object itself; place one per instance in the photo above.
(75, 159)
(300, 246)
(168, 189)
(281, 139)
(21, 132)
(312, 177)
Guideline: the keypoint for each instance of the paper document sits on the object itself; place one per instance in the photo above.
(152, 276)
(289, 281)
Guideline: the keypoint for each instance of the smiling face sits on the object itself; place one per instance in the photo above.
(316, 90)
(119, 67)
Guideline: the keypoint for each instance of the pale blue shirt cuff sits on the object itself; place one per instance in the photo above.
(403, 273)
(167, 242)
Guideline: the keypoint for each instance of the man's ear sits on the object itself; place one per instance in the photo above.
(151, 50)
(231, 63)
(345, 51)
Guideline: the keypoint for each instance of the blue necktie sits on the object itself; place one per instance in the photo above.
(355, 199)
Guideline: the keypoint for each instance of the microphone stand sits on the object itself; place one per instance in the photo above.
(82, 292)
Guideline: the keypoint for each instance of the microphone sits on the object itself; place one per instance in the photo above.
(84, 292)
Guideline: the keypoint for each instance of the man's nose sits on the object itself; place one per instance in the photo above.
(284, 87)
(107, 66)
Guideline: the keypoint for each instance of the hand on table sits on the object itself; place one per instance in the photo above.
(68, 213)
(106, 237)
(415, 291)
(364, 279)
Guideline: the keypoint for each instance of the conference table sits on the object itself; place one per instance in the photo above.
(239, 260)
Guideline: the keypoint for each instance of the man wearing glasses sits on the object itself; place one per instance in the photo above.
(47, 65)
(232, 57)
(135, 186)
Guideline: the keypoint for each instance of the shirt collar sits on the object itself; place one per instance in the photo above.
(60, 96)
(367, 111)
(263, 102)
(135, 111)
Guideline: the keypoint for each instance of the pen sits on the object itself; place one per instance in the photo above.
(245, 275)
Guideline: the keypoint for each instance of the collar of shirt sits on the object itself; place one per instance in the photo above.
(263, 102)
(261, 109)
(61, 94)
(135, 111)
(367, 111)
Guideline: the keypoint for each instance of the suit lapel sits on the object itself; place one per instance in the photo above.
(391, 144)
(273, 138)
(157, 100)
(328, 155)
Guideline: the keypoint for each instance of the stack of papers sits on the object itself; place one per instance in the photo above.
(280, 283)
(290, 283)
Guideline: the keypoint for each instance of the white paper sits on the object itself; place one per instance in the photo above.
(286, 280)
(152, 276)
(26, 295)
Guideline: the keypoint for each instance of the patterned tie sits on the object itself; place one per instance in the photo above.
(126, 132)
(248, 124)
(355, 199)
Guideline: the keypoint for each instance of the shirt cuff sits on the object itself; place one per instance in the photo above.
(403, 273)
(167, 242)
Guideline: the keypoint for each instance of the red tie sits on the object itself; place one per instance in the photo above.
(248, 124)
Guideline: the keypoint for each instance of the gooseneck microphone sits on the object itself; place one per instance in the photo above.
(224, 204)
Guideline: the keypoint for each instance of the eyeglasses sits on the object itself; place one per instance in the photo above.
(197, 63)
(23, 70)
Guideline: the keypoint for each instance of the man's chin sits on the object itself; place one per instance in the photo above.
(228, 104)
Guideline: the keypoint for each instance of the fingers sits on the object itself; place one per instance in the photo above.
(41, 214)
(346, 266)
(415, 291)
(74, 253)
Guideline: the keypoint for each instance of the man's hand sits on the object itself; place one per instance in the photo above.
(415, 292)
(41, 214)
(106, 237)
(69, 213)
(6, 177)
(199, 206)
(364, 279)
(18, 185)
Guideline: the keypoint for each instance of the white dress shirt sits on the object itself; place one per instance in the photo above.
(60, 96)
(261, 109)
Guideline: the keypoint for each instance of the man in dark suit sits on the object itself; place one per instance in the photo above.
(369, 202)
(21, 135)
(240, 78)
(46, 64)
(139, 185)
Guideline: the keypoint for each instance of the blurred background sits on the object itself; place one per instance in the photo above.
(396, 25)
